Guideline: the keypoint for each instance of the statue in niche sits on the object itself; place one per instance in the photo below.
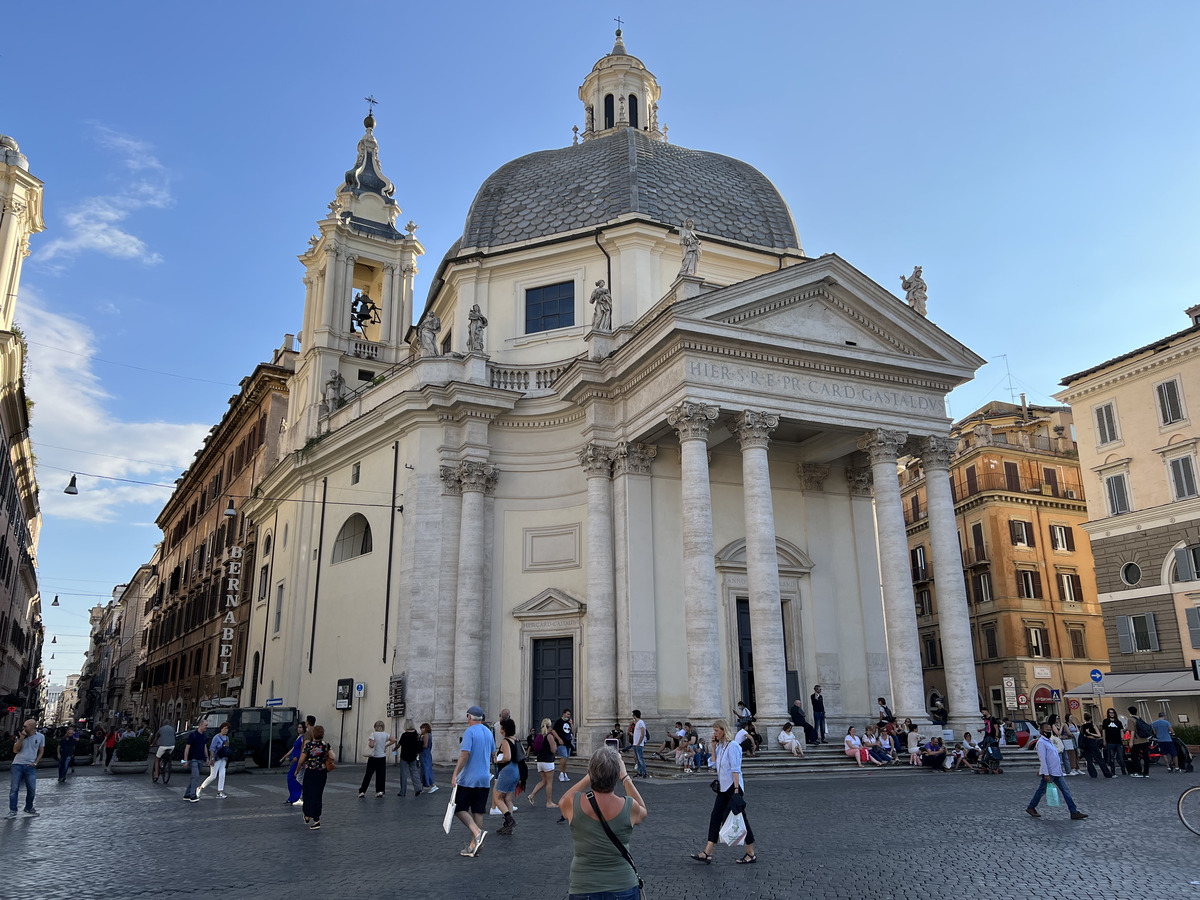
(591, 117)
(476, 323)
(914, 290)
(427, 333)
(602, 315)
(363, 312)
(335, 390)
(691, 248)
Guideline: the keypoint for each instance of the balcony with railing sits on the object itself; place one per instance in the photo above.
(975, 556)
(966, 486)
(526, 378)
(912, 517)
(921, 574)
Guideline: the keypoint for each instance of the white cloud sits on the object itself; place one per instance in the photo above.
(99, 224)
(71, 412)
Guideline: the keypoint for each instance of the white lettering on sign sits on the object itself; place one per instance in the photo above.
(235, 568)
(227, 634)
(232, 585)
(229, 623)
(226, 650)
(235, 552)
(229, 619)
(804, 387)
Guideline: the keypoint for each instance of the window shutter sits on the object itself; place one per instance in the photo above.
(1029, 539)
(1069, 532)
(1193, 622)
(1184, 570)
(953, 490)
(1037, 584)
(1054, 540)
(1029, 644)
(1046, 642)
(1020, 585)
(1164, 411)
(977, 588)
(1152, 631)
(1013, 532)
(1078, 586)
(1124, 634)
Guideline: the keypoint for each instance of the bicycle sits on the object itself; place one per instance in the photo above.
(164, 768)
(1189, 809)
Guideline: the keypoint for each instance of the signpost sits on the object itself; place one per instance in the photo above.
(1010, 692)
(1055, 695)
(1022, 700)
(275, 701)
(1074, 704)
(1098, 682)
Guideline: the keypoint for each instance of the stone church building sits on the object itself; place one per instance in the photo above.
(637, 450)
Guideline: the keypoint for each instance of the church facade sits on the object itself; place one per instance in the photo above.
(637, 451)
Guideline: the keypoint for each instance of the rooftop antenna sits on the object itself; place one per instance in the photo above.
(1012, 394)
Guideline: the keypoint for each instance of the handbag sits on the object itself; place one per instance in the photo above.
(734, 830)
(616, 843)
(330, 765)
(448, 819)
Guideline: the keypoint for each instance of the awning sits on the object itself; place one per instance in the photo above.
(1042, 696)
(1145, 685)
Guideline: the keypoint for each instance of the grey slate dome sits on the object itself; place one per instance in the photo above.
(555, 191)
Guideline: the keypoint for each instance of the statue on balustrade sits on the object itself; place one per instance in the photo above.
(602, 315)
(476, 323)
(427, 333)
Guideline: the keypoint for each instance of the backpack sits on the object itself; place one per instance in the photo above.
(1142, 729)
(518, 754)
(539, 742)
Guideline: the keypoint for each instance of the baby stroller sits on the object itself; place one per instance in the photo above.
(990, 758)
(1183, 755)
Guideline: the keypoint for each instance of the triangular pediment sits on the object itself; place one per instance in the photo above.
(817, 315)
(550, 603)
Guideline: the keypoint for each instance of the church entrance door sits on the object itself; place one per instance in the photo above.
(553, 678)
(745, 652)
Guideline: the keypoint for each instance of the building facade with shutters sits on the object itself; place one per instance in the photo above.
(204, 579)
(1026, 562)
(1138, 450)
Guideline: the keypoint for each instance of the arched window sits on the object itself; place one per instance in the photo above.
(353, 540)
(633, 110)
(609, 112)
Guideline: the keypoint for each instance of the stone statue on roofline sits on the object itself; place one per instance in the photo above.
(477, 322)
(427, 333)
(691, 248)
(914, 290)
(335, 390)
(602, 315)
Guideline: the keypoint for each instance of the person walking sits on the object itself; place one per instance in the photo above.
(110, 747)
(508, 775)
(602, 826)
(818, 708)
(316, 759)
(472, 778)
(1114, 742)
(378, 744)
(1090, 744)
(543, 752)
(195, 752)
(28, 748)
(218, 758)
(1165, 735)
(1049, 771)
(728, 758)
(566, 743)
(427, 756)
(1070, 739)
(1140, 732)
(639, 744)
(66, 752)
(164, 743)
(295, 788)
(410, 752)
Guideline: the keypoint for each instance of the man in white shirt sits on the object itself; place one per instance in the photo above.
(27, 753)
(1051, 770)
(639, 744)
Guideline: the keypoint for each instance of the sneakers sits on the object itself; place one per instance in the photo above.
(192, 799)
(473, 847)
(314, 825)
(12, 814)
(1077, 815)
(362, 795)
(495, 811)
(221, 795)
(32, 812)
(1033, 812)
(433, 788)
(378, 794)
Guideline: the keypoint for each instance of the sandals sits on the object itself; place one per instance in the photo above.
(747, 859)
(702, 857)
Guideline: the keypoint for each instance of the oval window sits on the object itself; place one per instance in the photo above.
(1131, 573)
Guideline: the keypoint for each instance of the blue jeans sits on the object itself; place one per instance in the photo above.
(1062, 786)
(195, 782)
(631, 894)
(63, 765)
(819, 725)
(638, 752)
(407, 770)
(28, 774)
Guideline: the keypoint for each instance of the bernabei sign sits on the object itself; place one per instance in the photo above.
(233, 586)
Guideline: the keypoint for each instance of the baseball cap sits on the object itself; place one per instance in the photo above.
(475, 712)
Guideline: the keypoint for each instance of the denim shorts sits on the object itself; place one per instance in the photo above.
(630, 894)
(565, 751)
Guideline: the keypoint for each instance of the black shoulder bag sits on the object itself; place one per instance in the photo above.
(616, 843)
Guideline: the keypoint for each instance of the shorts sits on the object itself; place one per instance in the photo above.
(545, 767)
(162, 751)
(563, 750)
(506, 781)
(1166, 748)
(471, 799)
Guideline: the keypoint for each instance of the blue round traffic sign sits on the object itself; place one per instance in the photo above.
(1097, 676)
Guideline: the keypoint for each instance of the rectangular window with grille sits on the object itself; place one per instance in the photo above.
(991, 648)
(1062, 538)
(1106, 424)
(1039, 641)
(1137, 634)
(1070, 588)
(1022, 533)
(550, 307)
(931, 650)
(1118, 495)
(1183, 477)
(1029, 584)
(1170, 407)
(982, 583)
(1078, 650)
(924, 603)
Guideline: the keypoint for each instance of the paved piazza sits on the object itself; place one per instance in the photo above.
(903, 835)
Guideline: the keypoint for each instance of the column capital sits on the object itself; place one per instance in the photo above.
(450, 482)
(937, 451)
(812, 476)
(753, 427)
(477, 476)
(597, 460)
(859, 479)
(883, 445)
(631, 458)
(692, 420)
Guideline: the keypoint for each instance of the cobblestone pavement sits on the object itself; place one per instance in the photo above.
(856, 836)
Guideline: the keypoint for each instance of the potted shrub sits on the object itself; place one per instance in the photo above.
(132, 756)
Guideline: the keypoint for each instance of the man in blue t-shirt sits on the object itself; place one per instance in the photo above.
(195, 752)
(66, 751)
(472, 778)
(1166, 740)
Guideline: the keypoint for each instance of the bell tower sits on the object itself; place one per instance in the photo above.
(358, 297)
(620, 92)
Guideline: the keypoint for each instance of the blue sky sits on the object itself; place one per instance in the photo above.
(1039, 160)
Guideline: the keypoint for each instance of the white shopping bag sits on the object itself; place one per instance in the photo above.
(733, 832)
(448, 819)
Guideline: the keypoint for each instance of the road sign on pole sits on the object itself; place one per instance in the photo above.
(1097, 676)
(1055, 695)
(275, 701)
(1022, 700)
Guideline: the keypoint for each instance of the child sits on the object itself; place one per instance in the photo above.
(914, 746)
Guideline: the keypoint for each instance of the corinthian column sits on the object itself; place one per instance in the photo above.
(601, 625)
(637, 657)
(899, 605)
(954, 620)
(693, 421)
(475, 479)
(753, 430)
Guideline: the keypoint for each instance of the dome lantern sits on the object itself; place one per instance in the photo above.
(620, 92)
